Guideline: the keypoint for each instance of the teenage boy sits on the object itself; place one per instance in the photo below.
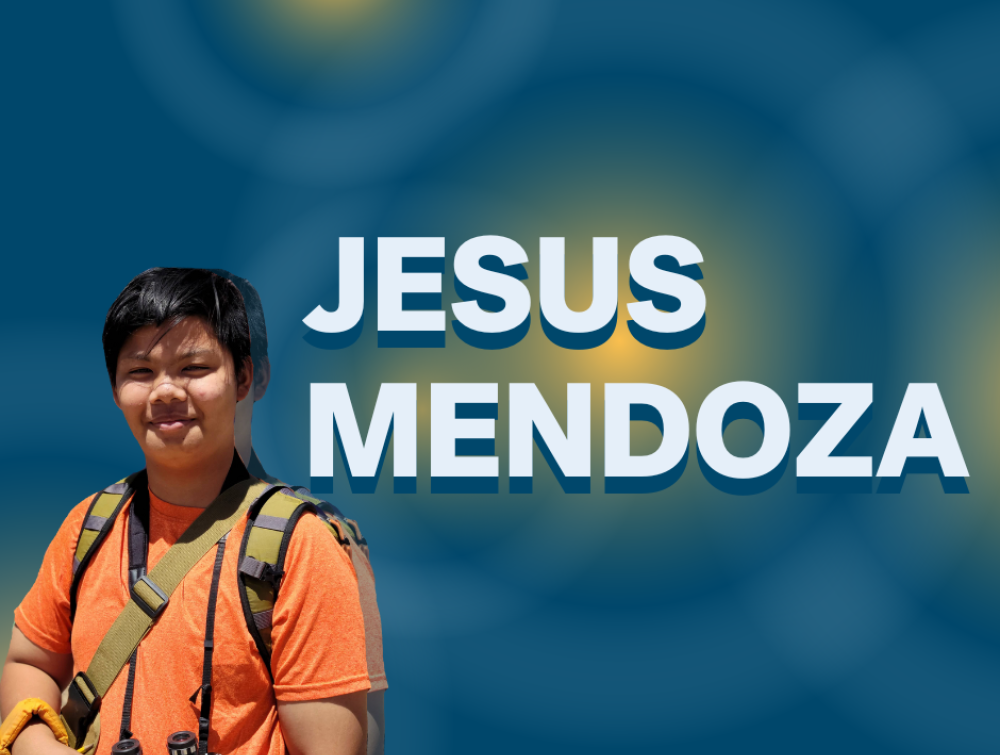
(359, 556)
(177, 349)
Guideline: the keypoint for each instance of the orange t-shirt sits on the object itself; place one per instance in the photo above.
(318, 632)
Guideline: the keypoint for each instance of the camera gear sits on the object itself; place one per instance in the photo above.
(182, 743)
(127, 747)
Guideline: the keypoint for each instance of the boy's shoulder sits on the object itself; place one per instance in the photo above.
(79, 511)
(74, 521)
(300, 521)
(101, 507)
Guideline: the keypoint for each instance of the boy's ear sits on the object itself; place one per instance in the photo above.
(114, 395)
(244, 384)
(263, 379)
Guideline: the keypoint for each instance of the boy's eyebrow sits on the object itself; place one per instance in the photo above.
(142, 356)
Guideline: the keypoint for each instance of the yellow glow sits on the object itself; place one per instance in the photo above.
(320, 17)
(320, 38)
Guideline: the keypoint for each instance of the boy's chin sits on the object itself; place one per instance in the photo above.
(189, 448)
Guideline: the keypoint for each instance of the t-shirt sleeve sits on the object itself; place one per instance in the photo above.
(373, 620)
(43, 616)
(317, 629)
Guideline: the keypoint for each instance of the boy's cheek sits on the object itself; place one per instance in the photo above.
(215, 398)
(129, 394)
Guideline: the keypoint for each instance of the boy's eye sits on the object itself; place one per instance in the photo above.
(194, 367)
(139, 371)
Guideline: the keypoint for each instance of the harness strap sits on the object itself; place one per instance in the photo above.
(126, 731)
(138, 535)
(150, 596)
(206, 669)
(138, 553)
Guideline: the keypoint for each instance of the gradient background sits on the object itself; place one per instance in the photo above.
(835, 162)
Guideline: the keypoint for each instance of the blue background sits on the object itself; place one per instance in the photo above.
(835, 162)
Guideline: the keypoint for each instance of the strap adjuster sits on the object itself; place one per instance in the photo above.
(82, 704)
(262, 570)
(149, 597)
(85, 689)
(272, 575)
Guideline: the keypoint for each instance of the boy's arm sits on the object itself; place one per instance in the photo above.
(320, 683)
(31, 671)
(337, 725)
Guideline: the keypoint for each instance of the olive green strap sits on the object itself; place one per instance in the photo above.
(102, 510)
(260, 558)
(151, 593)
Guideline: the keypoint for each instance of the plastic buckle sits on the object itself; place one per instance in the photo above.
(272, 575)
(82, 704)
(134, 575)
(148, 609)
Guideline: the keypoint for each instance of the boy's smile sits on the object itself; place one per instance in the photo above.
(178, 390)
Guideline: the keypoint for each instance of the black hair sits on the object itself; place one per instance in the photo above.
(170, 294)
(255, 317)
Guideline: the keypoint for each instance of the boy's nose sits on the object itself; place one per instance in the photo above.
(166, 391)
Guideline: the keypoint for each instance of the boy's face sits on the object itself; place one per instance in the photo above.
(179, 394)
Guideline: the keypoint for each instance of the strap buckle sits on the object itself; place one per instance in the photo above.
(272, 575)
(265, 572)
(82, 704)
(149, 597)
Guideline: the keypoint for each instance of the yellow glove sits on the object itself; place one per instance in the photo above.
(22, 714)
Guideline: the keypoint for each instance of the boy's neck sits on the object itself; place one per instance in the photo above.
(194, 485)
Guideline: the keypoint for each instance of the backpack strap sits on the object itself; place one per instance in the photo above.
(262, 559)
(100, 519)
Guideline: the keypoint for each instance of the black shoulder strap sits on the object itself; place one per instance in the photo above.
(138, 554)
(205, 690)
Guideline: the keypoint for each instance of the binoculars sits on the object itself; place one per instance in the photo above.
(178, 743)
